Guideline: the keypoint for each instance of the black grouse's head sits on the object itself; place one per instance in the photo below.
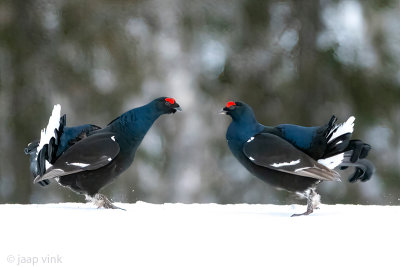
(238, 110)
(166, 105)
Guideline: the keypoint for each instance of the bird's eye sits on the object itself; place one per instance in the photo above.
(170, 101)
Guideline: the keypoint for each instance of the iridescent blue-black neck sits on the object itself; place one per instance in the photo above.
(136, 122)
(243, 126)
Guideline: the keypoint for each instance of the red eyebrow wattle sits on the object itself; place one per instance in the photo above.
(170, 100)
(230, 103)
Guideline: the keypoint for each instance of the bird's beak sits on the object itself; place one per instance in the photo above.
(224, 111)
(178, 108)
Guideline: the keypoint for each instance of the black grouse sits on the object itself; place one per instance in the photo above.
(295, 158)
(86, 158)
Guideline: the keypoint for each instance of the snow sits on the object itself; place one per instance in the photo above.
(78, 234)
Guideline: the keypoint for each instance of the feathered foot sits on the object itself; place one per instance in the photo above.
(313, 200)
(101, 201)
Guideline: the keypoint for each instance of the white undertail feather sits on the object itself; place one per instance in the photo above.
(48, 164)
(47, 133)
(332, 162)
(341, 129)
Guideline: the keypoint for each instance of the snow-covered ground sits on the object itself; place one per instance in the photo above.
(74, 234)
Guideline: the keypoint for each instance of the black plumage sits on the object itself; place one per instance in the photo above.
(292, 157)
(63, 138)
(86, 158)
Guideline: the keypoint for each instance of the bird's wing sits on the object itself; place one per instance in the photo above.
(302, 137)
(71, 135)
(271, 151)
(90, 153)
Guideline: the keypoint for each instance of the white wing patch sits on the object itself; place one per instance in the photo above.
(332, 162)
(251, 139)
(251, 158)
(344, 128)
(113, 138)
(82, 165)
(109, 159)
(277, 165)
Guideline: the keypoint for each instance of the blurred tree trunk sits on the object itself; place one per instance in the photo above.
(22, 40)
(307, 13)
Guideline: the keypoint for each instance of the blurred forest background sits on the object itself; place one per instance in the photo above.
(294, 61)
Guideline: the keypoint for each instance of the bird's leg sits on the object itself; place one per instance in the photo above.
(101, 201)
(313, 200)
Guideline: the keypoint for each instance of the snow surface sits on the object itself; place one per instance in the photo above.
(145, 234)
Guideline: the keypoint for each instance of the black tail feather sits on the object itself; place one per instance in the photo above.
(355, 153)
(364, 169)
(330, 127)
(31, 150)
(338, 145)
(47, 153)
(360, 149)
